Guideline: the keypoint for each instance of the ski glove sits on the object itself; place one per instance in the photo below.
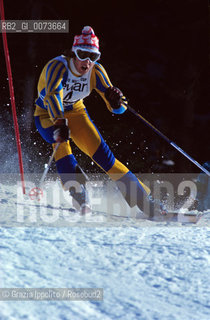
(114, 96)
(62, 131)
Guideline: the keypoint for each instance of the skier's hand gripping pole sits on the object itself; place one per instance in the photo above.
(62, 131)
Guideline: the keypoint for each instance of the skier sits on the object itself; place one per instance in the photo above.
(60, 114)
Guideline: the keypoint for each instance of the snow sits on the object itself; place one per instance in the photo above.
(147, 270)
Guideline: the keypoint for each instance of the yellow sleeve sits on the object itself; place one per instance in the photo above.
(100, 82)
(54, 89)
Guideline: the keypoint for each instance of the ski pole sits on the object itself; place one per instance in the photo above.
(168, 140)
(49, 163)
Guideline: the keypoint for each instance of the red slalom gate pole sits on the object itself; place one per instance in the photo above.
(12, 96)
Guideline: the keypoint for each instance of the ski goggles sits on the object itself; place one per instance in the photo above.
(85, 54)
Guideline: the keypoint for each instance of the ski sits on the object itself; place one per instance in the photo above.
(189, 217)
(102, 216)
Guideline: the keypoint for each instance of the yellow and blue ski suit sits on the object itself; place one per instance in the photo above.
(60, 95)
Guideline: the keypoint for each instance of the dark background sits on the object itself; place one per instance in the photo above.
(156, 52)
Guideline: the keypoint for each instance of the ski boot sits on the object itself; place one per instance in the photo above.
(157, 211)
(80, 200)
(152, 209)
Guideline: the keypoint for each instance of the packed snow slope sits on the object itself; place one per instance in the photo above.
(148, 270)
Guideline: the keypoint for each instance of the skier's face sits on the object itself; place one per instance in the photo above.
(83, 66)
